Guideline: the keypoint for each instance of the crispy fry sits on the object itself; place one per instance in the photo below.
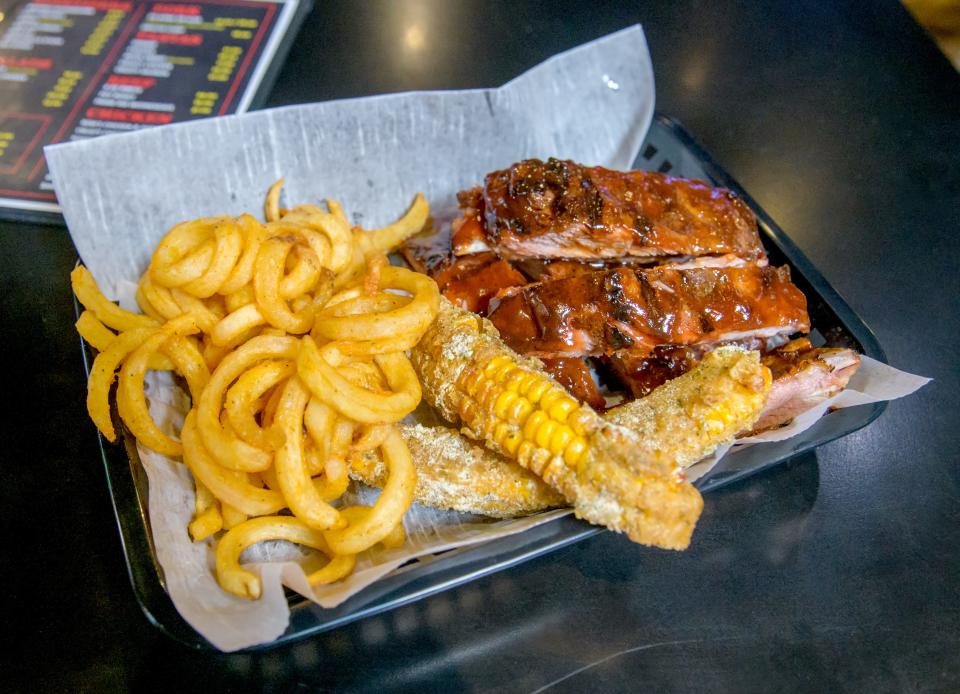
(373, 525)
(390, 237)
(227, 485)
(101, 377)
(246, 584)
(130, 397)
(231, 451)
(271, 204)
(412, 318)
(292, 473)
(318, 369)
(111, 315)
(184, 253)
(266, 287)
(244, 394)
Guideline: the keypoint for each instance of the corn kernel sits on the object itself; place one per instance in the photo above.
(504, 404)
(537, 388)
(520, 411)
(514, 380)
(524, 451)
(575, 452)
(562, 436)
(578, 421)
(561, 409)
(539, 460)
(507, 437)
(525, 380)
(550, 397)
(470, 380)
(496, 363)
(533, 424)
(484, 392)
(544, 433)
(500, 373)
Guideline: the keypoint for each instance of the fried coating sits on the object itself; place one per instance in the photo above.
(688, 417)
(455, 473)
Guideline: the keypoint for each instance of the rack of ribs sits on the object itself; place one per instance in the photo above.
(633, 275)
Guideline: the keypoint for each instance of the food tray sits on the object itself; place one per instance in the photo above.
(668, 148)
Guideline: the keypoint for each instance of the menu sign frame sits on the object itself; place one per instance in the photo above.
(73, 69)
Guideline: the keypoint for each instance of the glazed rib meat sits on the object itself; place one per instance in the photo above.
(639, 309)
(803, 377)
(559, 209)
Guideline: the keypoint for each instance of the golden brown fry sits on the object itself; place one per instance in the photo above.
(412, 318)
(131, 402)
(243, 396)
(246, 287)
(101, 377)
(372, 525)
(389, 238)
(292, 473)
(93, 331)
(318, 369)
(231, 451)
(271, 204)
(228, 485)
(246, 584)
(111, 315)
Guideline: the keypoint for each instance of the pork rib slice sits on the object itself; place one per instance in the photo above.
(604, 312)
(560, 209)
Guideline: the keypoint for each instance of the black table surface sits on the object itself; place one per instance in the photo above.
(837, 571)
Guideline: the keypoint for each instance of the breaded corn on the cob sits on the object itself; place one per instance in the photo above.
(685, 419)
(510, 404)
(455, 473)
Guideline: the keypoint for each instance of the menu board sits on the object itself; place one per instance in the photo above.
(73, 69)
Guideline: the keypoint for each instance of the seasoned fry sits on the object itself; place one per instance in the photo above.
(111, 315)
(318, 368)
(373, 525)
(101, 377)
(228, 485)
(292, 474)
(246, 584)
(131, 401)
(229, 450)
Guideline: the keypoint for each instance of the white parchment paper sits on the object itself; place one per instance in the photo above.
(120, 194)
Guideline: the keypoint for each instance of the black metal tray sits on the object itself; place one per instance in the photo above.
(668, 148)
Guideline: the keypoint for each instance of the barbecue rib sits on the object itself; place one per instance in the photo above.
(803, 376)
(559, 209)
(638, 309)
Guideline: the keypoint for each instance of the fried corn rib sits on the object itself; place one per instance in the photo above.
(455, 473)
(505, 400)
(686, 418)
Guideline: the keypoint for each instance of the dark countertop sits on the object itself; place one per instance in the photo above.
(838, 571)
